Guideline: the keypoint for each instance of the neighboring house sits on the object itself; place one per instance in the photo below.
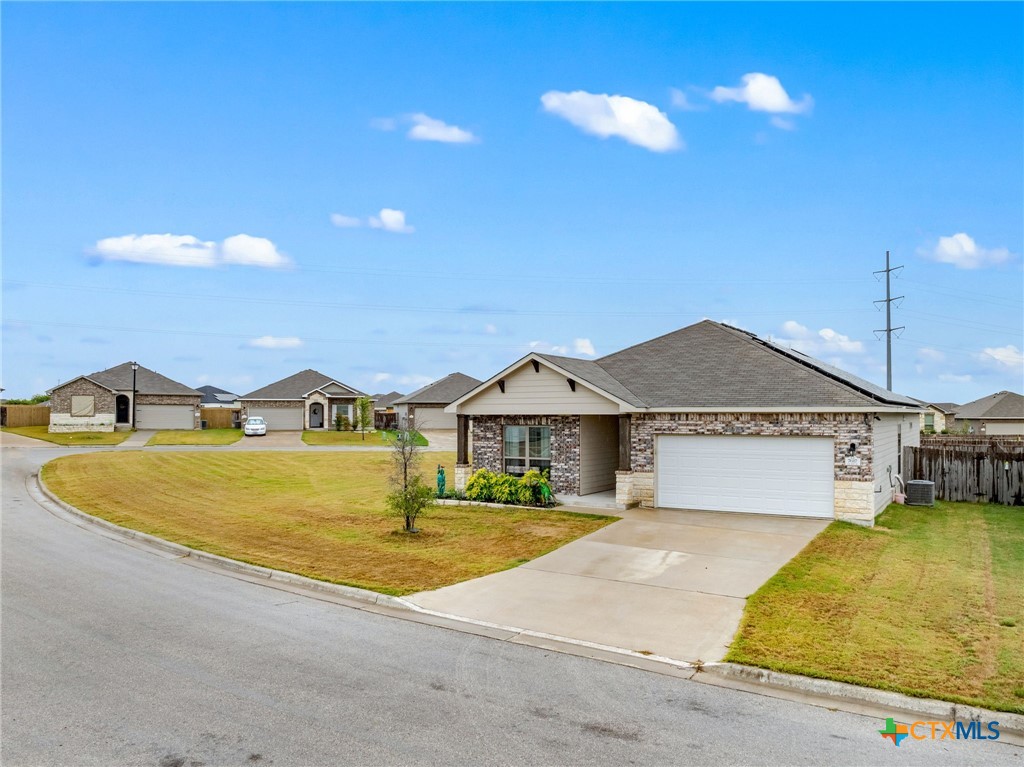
(306, 400)
(214, 397)
(386, 402)
(707, 417)
(425, 408)
(104, 400)
(937, 416)
(997, 414)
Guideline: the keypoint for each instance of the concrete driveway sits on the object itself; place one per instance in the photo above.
(671, 583)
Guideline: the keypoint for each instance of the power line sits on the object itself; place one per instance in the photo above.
(889, 329)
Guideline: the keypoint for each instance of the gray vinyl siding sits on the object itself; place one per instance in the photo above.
(544, 392)
(599, 453)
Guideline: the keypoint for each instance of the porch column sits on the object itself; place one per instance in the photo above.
(462, 439)
(625, 463)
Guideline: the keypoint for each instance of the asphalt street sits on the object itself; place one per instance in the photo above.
(113, 655)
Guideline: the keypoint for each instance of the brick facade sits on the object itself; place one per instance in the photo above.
(489, 446)
(61, 419)
(167, 399)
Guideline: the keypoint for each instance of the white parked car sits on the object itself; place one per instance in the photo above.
(255, 427)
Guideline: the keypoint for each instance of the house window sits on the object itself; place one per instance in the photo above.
(527, 447)
(929, 421)
(83, 407)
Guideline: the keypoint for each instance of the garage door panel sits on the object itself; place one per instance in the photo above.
(791, 476)
(164, 417)
(279, 418)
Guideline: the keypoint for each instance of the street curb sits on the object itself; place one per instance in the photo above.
(835, 693)
(810, 690)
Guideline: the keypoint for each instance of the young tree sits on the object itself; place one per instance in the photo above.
(363, 410)
(409, 496)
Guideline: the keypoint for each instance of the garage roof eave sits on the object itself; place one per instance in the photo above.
(803, 409)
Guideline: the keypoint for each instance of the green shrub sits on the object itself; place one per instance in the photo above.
(538, 486)
(480, 486)
(506, 489)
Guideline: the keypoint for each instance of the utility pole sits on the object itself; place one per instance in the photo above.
(889, 329)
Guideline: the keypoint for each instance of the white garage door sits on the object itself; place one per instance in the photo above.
(165, 417)
(434, 418)
(279, 418)
(791, 476)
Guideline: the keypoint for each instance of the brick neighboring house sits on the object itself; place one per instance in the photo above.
(385, 403)
(997, 414)
(707, 417)
(937, 416)
(306, 400)
(103, 401)
(425, 407)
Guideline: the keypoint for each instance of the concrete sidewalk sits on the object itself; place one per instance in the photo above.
(671, 583)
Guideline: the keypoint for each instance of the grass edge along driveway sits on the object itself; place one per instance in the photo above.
(70, 439)
(320, 515)
(929, 603)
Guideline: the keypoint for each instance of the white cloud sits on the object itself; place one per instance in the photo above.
(186, 250)
(963, 252)
(390, 220)
(252, 251)
(681, 101)
(822, 342)
(930, 355)
(345, 222)
(203, 379)
(763, 93)
(276, 342)
(381, 377)
(168, 249)
(783, 123)
(426, 128)
(583, 346)
(544, 347)
(490, 329)
(384, 123)
(1007, 357)
(951, 378)
(602, 115)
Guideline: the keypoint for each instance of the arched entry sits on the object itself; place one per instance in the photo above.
(316, 416)
(123, 408)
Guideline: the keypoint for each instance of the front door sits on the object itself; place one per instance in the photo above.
(316, 416)
(122, 406)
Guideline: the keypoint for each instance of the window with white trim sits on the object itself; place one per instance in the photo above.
(527, 447)
(929, 420)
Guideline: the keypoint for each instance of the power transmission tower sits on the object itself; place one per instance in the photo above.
(889, 329)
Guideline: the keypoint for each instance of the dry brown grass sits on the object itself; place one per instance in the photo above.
(319, 515)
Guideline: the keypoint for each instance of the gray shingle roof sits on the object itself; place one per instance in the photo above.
(147, 381)
(1004, 404)
(296, 386)
(444, 391)
(945, 407)
(214, 396)
(386, 400)
(710, 365)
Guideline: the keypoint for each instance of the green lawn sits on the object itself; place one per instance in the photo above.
(73, 439)
(372, 438)
(930, 603)
(204, 437)
(317, 514)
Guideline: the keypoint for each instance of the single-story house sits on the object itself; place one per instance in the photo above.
(937, 416)
(425, 408)
(306, 400)
(997, 414)
(122, 398)
(707, 417)
(385, 403)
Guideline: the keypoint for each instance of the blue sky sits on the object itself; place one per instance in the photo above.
(230, 193)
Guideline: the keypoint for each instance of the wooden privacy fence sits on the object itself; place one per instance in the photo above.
(989, 470)
(385, 421)
(25, 415)
(219, 417)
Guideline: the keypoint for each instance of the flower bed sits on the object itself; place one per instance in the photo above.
(532, 489)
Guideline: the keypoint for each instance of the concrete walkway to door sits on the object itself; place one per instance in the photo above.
(671, 583)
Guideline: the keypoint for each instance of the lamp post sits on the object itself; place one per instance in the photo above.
(135, 367)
